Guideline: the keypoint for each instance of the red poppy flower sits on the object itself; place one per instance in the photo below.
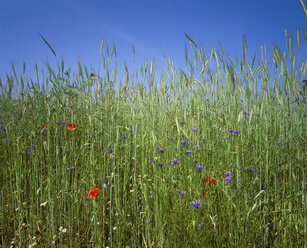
(210, 180)
(93, 192)
(44, 126)
(72, 126)
(213, 181)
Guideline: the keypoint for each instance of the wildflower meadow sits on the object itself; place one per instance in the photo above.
(212, 156)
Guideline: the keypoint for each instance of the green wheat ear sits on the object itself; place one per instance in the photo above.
(47, 44)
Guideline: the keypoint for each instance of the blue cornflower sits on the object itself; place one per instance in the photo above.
(194, 129)
(162, 151)
(183, 142)
(124, 137)
(166, 130)
(170, 139)
(196, 147)
(251, 169)
(161, 164)
(228, 174)
(8, 140)
(230, 130)
(92, 133)
(70, 168)
(158, 148)
(63, 122)
(175, 161)
(187, 151)
(106, 185)
(199, 167)
(245, 114)
(67, 150)
(182, 193)
(111, 149)
(201, 226)
(279, 143)
(228, 179)
(153, 161)
(196, 203)
(28, 153)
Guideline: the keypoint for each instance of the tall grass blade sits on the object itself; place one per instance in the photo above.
(191, 40)
(304, 8)
(47, 44)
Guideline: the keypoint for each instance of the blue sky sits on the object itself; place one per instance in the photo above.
(75, 28)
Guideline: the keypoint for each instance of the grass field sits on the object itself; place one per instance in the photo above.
(190, 159)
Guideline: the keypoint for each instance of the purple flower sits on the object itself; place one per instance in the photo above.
(194, 129)
(92, 133)
(153, 161)
(236, 131)
(67, 150)
(227, 179)
(162, 151)
(245, 114)
(212, 127)
(111, 149)
(63, 122)
(124, 137)
(183, 142)
(199, 167)
(251, 169)
(149, 221)
(70, 168)
(106, 185)
(230, 130)
(8, 140)
(182, 193)
(228, 174)
(161, 164)
(28, 153)
(158, 148)
(175, 161)
(166, 130)
(196, 147)
(196, 203)
(187, 151)
(130, 131)
(170, 139)
(201, 226)
(279, 143)
(251, 198)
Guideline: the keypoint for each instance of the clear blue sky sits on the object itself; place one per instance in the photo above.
(75, 28)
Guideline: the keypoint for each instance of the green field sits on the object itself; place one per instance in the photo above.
(143, 143)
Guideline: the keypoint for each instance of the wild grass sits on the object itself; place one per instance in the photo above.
(47, 171)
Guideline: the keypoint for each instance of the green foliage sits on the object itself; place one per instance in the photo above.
(43, 202)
